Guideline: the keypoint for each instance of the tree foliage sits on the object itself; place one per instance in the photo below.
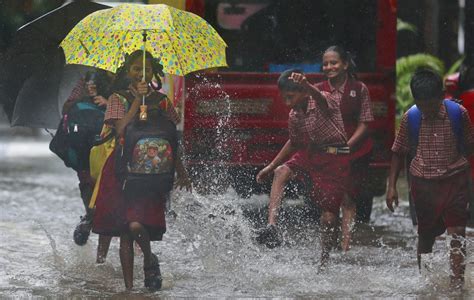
(405, 68)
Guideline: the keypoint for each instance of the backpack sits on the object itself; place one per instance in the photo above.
(414, 123)
(145, 160)
(77, 133)
(455, 116)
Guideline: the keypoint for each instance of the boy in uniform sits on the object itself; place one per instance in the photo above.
(317, 148)
(437, 134)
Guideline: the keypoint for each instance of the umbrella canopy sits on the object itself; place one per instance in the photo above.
(184, 42)
(39, 102)
(35, 56)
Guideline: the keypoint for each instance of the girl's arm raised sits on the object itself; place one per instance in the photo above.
(311, 89)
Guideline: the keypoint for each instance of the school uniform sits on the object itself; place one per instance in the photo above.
(324, 156)
(353, 100)
(439, 182)
(86, 183)
(113, 212)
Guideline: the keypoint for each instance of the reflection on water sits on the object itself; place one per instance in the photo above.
(208, 250)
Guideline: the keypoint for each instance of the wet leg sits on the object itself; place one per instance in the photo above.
(348, 215)
(457, 254)
(103, 248)
(141, 236)
(425, 245)
(282, 175)
(151, 265)
(86, 188)
(126, 259)
(328, 223)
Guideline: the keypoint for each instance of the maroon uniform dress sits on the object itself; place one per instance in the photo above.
(439, 173)
(113, 212)
(354, 102)
(329, 173)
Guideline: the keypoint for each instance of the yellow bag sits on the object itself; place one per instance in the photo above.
(97, 158)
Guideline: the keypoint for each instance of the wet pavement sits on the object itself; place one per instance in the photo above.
(208, 251)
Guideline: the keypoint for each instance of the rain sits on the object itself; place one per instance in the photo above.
(234, 123)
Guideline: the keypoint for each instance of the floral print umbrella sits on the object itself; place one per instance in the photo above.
(184, 42)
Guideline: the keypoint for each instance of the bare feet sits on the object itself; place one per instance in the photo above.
(456, 282)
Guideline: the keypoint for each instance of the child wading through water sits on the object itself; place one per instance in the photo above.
(94, 87)
(139, 218)
(342, 135)
(437, 134)
(353, 98)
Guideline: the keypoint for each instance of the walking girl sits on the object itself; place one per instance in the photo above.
(121, 210)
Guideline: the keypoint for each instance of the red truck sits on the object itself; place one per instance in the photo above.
(235, 122)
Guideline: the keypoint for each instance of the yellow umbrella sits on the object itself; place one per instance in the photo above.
(184, 42)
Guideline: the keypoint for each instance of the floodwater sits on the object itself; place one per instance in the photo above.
(208, 251)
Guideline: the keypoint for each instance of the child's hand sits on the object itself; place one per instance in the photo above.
(392, 196)
(142, 88)
(299, 78)
(263, 174)
(100, 101)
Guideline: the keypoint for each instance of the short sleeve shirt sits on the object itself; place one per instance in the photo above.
(317, 125)
(116, 110)
(365, 108)
(436, 155)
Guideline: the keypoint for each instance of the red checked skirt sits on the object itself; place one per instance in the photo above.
(329, 175)
(113, 212)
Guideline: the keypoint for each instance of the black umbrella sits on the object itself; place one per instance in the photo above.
(33, 66)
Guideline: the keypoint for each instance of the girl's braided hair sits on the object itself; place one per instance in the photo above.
(122, 80)
(346, 57)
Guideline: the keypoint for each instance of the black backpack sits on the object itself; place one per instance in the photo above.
(77, 133)
(145, 163)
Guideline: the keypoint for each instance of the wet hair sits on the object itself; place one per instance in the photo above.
(122, 81)
(426, 85)
(346, 57)
(101, 80)
(288, 85)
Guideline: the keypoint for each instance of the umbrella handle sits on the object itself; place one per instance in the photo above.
(144, 54)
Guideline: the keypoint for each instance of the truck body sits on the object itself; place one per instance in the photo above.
(235, 122)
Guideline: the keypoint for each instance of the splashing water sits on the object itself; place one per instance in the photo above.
(208, 250)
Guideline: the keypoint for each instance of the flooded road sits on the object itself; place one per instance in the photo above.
(208, 251)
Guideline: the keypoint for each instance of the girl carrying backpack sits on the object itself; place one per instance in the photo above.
(129, 198)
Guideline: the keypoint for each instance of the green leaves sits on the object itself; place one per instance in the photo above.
(405, 68)
(402, 25)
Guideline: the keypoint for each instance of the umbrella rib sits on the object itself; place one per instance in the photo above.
(83, 46)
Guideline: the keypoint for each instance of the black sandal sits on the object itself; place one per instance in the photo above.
(153, 274)
(269, 236)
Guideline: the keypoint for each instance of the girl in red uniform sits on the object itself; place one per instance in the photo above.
(328, 132)
(141, 219)
(353, 98)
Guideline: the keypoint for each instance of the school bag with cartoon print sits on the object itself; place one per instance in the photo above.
(145, 159)
(77, 133)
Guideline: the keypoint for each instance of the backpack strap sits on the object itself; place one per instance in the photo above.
(414, 124)
(454, 112)
(455, 116)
